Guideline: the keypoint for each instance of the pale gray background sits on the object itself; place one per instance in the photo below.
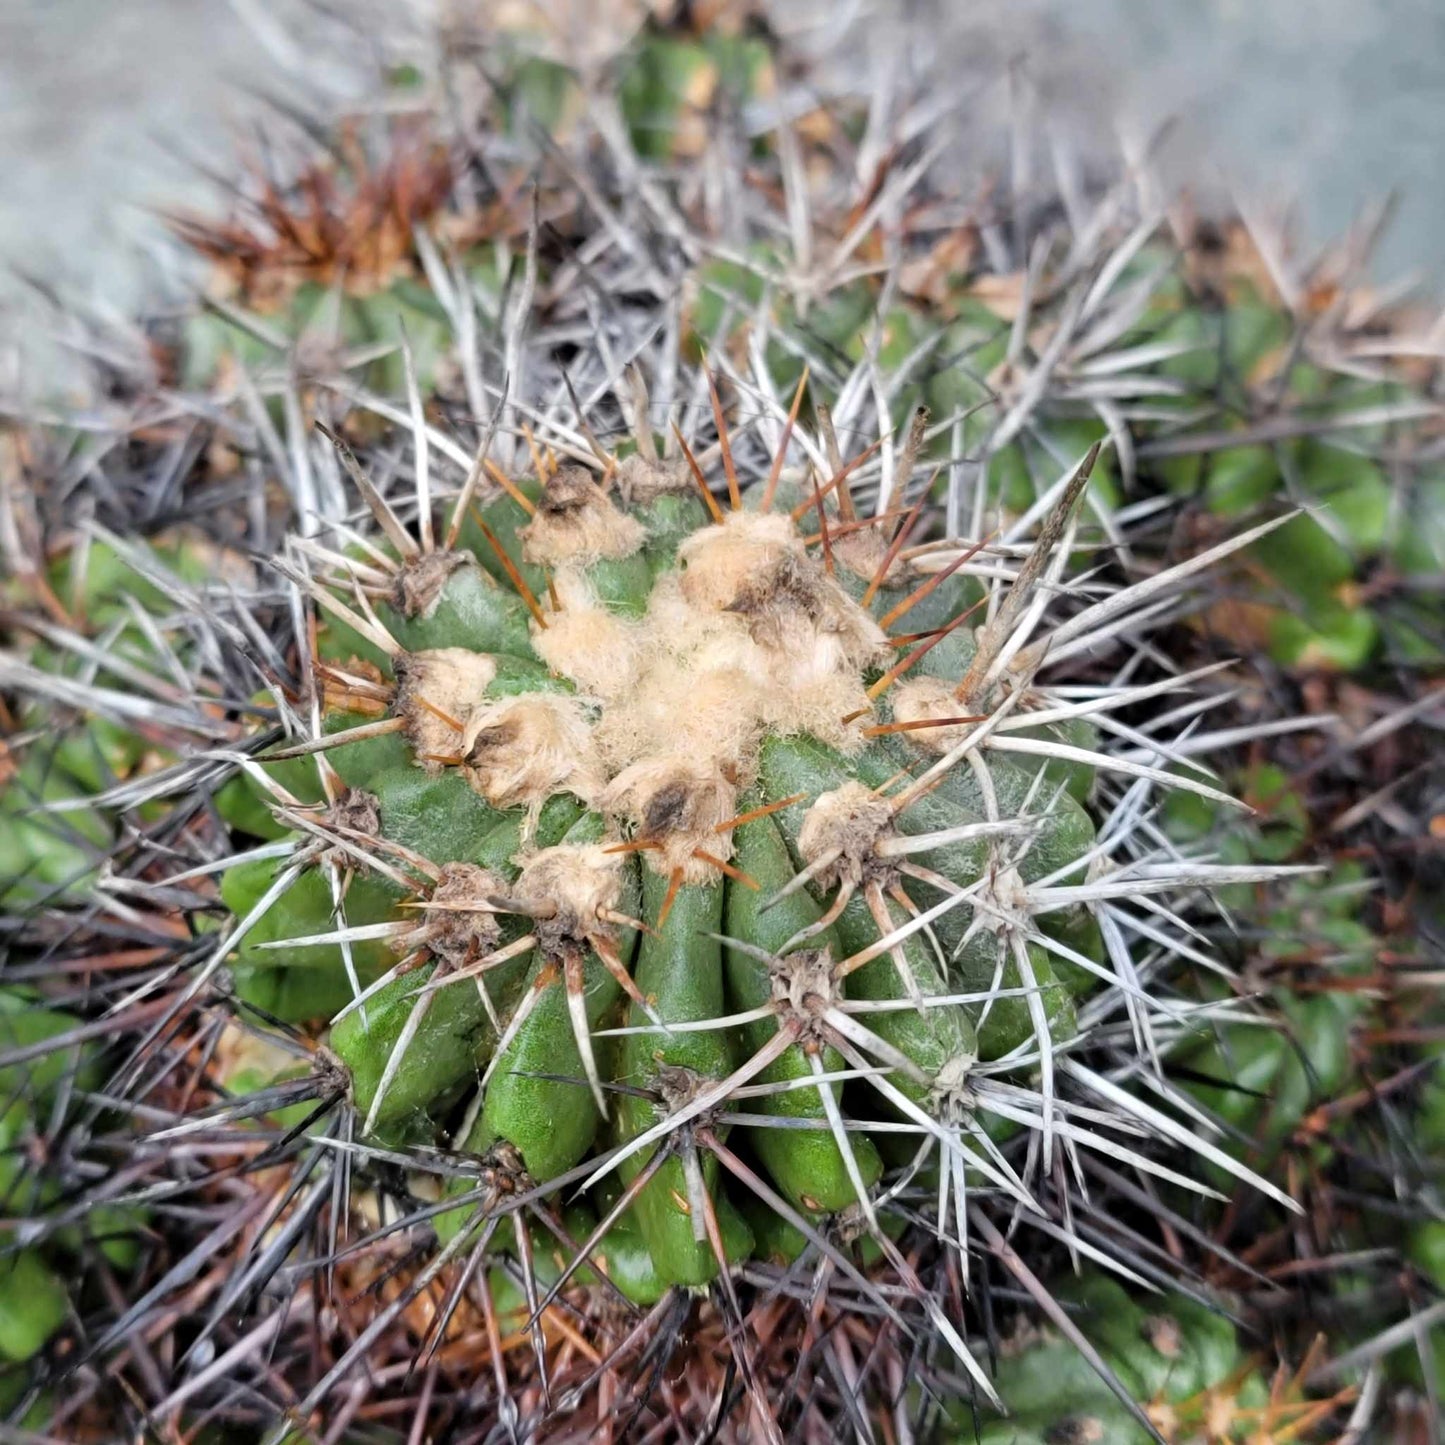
(1332, 102)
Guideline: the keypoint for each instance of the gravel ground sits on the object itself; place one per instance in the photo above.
(108, 110)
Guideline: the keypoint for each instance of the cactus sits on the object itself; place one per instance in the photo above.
(1260, 1079)
(44, 1235)
(645, 845)
(1181, 1357)
(628, 838)
(661, 802)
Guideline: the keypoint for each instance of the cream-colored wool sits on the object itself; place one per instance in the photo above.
(792, 652)
(926, 700)
(806, 686)
(847, 822)
(952, 1082)
(756, 567)
(749, 635)
(519, 751)
(723, 563)
(459, 928)
(589, 644)
(709, 714)
(568, 888)
(433, 686)
(818, 706)
(705, 636)
(677, 804)
(576, 521)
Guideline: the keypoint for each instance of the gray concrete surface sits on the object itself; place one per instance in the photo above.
(112, 110)
(1329, 105)
(107, 105)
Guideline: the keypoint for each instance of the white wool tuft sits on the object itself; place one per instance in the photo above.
(452, 681)
(748, 635)
(569, 887)
(676, 803)
(927, 699)
(847, 822)
(518, 751)
(588, 644)
(576, 521)
(718, 563)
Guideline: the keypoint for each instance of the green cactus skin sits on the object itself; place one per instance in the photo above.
(35, 1297)
(33, 1304)
(679, 969)
(807, 1166)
